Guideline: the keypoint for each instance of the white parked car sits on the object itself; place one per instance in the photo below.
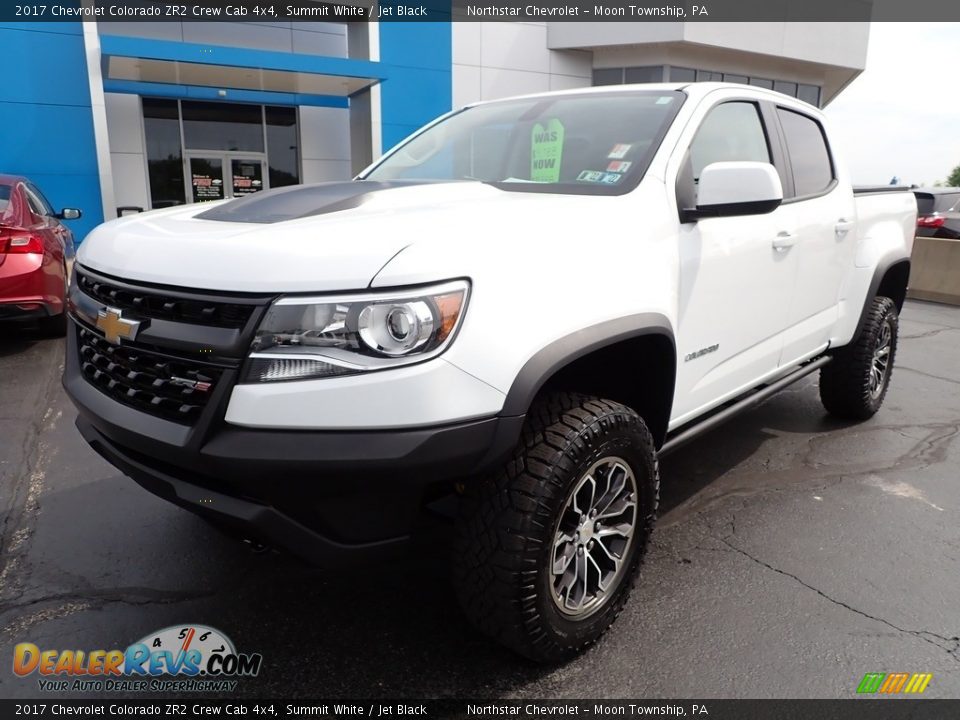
(521, 307)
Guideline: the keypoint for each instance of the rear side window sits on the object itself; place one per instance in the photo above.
(732, 131)
(809, 156)
(4, 197)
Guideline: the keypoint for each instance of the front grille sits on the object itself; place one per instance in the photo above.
(146, 380)
(162, 306)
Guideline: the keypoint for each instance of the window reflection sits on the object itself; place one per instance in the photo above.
(222, 126)
(161, 126)
(282, 145)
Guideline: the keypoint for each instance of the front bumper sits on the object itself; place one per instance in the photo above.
(330, 497)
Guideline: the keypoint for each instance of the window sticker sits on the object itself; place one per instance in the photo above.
(590, 176)
(619, 151)
(664, 100)
(619, 166)
(546, 152)
(611, 178)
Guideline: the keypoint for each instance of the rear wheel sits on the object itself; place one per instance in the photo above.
(549, 546)
(855, 383)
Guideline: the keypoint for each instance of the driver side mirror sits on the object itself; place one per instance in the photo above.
(727, 189)
(68, 214)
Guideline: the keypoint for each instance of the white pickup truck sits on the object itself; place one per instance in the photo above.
(519, 307)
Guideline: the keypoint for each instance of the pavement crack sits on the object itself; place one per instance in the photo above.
(950, 644)
(926, 333)
(929, 375)
(135, 596)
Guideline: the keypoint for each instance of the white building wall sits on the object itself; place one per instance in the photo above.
(497, 59)
(325, 144)
(127, 161)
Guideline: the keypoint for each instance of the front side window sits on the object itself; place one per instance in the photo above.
(809, 157)
(731, 132)
(587, 144)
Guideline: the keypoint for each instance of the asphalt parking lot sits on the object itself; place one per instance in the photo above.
(793, 555)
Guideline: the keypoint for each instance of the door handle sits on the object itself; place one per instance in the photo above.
(842, 227)
(784, 241)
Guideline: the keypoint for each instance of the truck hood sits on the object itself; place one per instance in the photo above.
(311, 238)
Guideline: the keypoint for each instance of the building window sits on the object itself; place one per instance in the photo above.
(161, 127)
(222, 126)
(630, 75)
(741, 79)
(608, 76)
(211, 150)
(681, 74)
(661, 73)
(282, 150)
(809, 93)
(648, 74)
(787, 88)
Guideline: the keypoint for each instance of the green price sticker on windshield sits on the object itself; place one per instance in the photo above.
(546, 152)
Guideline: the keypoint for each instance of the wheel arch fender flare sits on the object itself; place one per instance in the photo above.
(563, 352)
(890, 279)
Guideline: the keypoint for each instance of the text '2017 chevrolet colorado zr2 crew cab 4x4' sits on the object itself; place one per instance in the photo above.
(520, 306)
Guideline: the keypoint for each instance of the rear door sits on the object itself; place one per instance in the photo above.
(819, 214)
(735, 288)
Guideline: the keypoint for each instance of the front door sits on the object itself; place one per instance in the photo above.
(735, 287)
(218, 176)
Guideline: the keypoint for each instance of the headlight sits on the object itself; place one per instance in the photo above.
(313, 337)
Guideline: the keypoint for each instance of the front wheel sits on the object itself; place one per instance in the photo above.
(548, 547)
(855, 383)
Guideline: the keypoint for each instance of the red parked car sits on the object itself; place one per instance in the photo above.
(36, 254)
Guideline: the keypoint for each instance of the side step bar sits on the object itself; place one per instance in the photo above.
(751, 400)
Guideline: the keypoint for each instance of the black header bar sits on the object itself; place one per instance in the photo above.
(483, 10)
(852, 709)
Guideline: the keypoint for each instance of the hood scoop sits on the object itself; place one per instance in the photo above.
(300, 201)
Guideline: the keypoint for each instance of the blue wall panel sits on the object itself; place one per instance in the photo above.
(417, 62)
(45, 102)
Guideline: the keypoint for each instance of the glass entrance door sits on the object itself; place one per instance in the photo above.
(218, 176)
(247, 176)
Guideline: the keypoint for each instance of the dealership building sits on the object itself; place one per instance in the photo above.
(117, 117)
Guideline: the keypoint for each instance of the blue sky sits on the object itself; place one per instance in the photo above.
(901, 116)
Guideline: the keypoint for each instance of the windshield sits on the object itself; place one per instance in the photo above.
(582, 144)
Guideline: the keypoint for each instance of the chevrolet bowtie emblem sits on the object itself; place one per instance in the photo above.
(115, 326)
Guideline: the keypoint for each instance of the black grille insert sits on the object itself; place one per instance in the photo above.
(156, 304)
(172, 388)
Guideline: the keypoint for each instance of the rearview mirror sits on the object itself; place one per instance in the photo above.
(69, 214)
(736, 188)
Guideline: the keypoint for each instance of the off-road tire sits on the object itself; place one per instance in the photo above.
(845, 383)
(508, 522)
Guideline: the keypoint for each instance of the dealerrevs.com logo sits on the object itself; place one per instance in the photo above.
(180, 658)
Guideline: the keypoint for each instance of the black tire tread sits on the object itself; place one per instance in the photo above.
(497, 546)
(844, 383)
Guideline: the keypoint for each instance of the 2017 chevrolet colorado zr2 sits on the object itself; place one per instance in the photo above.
(520, 306)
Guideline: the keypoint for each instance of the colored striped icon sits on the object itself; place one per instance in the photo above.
(893, 683)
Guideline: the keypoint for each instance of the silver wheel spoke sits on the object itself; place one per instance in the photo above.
(623, 530)
(593, 536)
(880, 367)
